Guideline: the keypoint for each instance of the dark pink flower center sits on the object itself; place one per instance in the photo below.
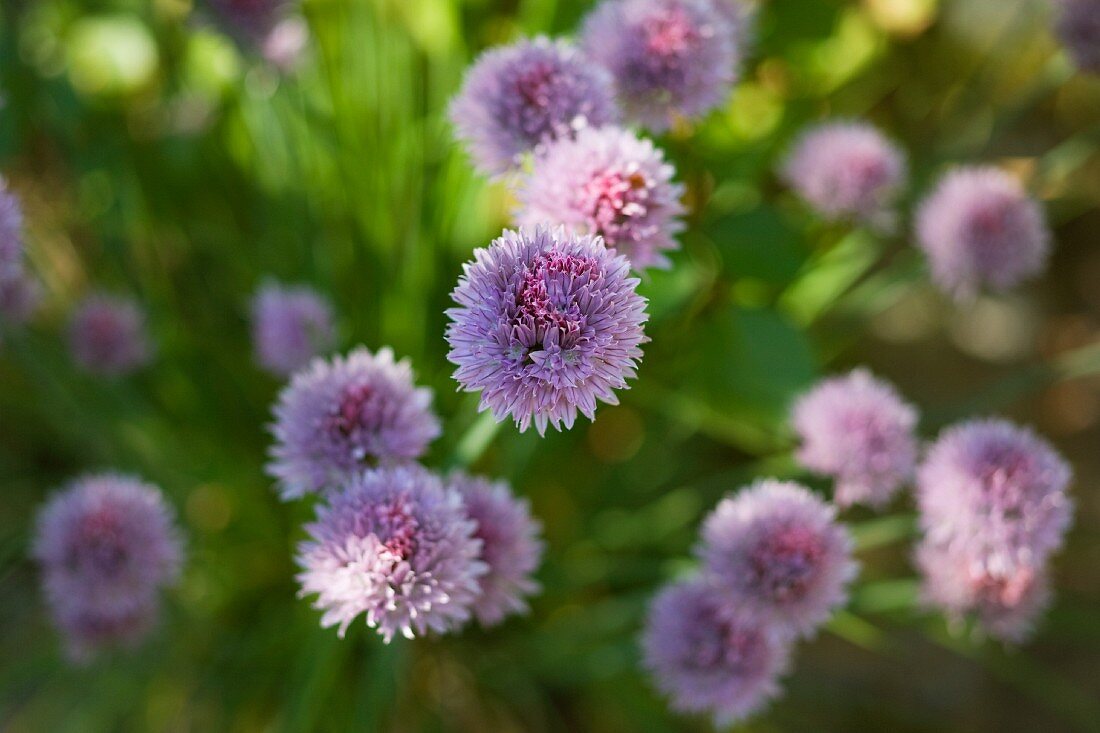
(719, 644)
(786, 562)
(670, 34)
(396, 526)
(1008, 592)
(546, 299)
(98, 544)
(611, 200)
(535, 84)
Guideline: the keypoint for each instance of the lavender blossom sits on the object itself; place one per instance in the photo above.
(608, 182)
(776, 553)
(1005, 604)
(980, 228)
(858, 430)
(11, 234)
(996, 493)
(397, 546)
(340, 416)
(517, 98)
(290, 326)
(708, 658)
(1078, 28)
(107, 335)
(510, 546)
(669, 58)
(107, 545)
(847, 171)
(546, 324)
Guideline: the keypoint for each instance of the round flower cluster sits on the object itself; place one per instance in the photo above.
(980, 228)
(269, 26)
(608, 182)
(339, 416)
(18, 291)
(107, 335)
(1078, 28)
(518, 98)
(290, 326)
(858, 430)
(994, 507)
(107, 545)
(776, 565)
(847, 171)
(415, 554)
(670, 59)
(547, 323)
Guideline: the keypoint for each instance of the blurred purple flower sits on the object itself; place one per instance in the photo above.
(11, 234)
(996, 493)
(857, 429)
(668, 58)
(847, 171)
(510, 546)
(776, 553)
(979, 227)
(708, 658)
(608, 182)
(517, 98)
(1006, 605)
(397, 546)
(107, 544)
(284, 45)
(290, 326)
(1078, 28)
(546, 324)
(107, 335)
(342, 415)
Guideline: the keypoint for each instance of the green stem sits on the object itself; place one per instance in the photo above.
(475, 441)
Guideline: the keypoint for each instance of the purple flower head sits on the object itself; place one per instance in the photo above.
(607, 181)
(290, 326)
(858, 430)
(668, 58)
(397, 546)
(980, 228)
(249, 20)
(997, 493)
(517, 98)
(107, 544)
(11, 234)
(107, 335)
(708, 658)
(776, 552)
(510, 546)
(1005, 605)
(847, 171)
(1078, 28)
(546, 324)
(340, 416)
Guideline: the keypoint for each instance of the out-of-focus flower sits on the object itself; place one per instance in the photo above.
(397, 546)
(1078, 28)
(340, 416)
(107, 335)
(547, 323)
(284, 45)
(510, 546)
(11, 234)
(519, 97)
(608, 182)
(708, 658)
(980, 228)
(996, 493)
(776, 552)
(269, 27)
(290, 326)
(669, 58)
(107, 544)
(1006, 605)
(858, 430)
(847, 171)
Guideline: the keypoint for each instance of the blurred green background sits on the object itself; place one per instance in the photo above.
(155, 157)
